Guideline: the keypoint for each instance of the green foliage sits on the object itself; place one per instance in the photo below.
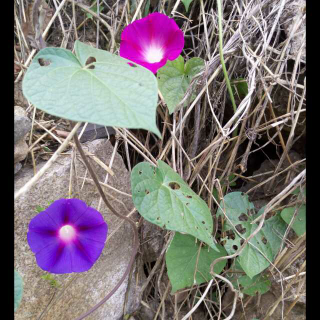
(239, 87)
(299, 190)
(92, 86)
(187, 266)
(258, 284)
(299, 223)
(164, 199)
(39, 209)
(232, 183)
(146, 8)
(186, 4)
(52, 281)
(133, 6)
(94, 8)
(18, 289)
(174, 79)
(266, 243)
(46, 149)
(231, 179)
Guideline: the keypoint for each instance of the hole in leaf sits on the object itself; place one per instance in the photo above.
(241, 242)
(197, 227)
(132, 65)
(243, 217)
(203, 222)
(91, 60)
(187, 203)
(264, 240)
(174, 185)
(240, 228)
(43, 62)
(234, 247)
(189, 197)
(140, 172)
(147, 191)
(158, 219)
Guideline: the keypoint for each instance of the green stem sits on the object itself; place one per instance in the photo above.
(235, 132)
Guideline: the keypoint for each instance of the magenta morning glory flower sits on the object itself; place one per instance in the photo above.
(151, 41)
(67, 237)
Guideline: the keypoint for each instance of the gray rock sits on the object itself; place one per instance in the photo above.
(22, 125)
(17, 167)
(20, 151)
(78, 292)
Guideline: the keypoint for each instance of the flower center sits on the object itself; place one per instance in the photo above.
(154, 54)
(67, 232)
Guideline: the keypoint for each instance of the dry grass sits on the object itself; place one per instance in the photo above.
(199, 141)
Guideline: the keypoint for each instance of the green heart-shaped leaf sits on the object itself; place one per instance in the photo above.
(163, 198)
(92, 86)
(187, 266)
(258, 284)
(186, 4)
(174, 79)
(268, 240)
(18, 289)
(299, 224)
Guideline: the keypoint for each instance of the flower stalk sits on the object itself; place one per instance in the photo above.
(223, 63)
(132, 223)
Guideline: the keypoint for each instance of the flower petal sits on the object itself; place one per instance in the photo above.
(55, 258)
(174, 45)
(85, 252)
(151, 41)
(56, 211)
(128, 51)
(42, 232)
(91, 225)
(65, 211)
(78, 253)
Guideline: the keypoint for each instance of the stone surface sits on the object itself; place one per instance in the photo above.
(22, 125)
(17, 167)
(78, 292)
(20, 151)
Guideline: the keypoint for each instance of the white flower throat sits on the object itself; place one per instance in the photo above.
(67, 232)
(153, 54)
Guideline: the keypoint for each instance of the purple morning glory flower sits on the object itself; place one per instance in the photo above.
(67, 237)
(151, 41)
